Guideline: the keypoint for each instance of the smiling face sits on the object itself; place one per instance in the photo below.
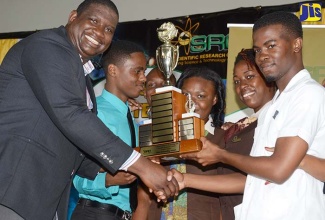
(203, 94)
(91, 31)
(251, 87)
(127, 78)
(276, 53)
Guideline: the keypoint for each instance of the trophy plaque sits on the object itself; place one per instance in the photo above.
(174, 128)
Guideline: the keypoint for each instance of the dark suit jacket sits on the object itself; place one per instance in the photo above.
(45, 124)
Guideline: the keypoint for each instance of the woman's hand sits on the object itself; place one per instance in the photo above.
(209, 154)
(180, 177)
(227, 125)
(134, 104)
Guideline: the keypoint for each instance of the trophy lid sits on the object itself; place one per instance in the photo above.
(190, 114)
(168, 88)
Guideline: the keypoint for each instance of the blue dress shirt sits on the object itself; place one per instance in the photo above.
(112, 111)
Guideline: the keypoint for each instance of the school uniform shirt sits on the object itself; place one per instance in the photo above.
(112, 111)
(298, 111)
(205, 205)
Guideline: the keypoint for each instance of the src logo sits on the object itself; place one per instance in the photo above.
(193, 43)
(186, 34)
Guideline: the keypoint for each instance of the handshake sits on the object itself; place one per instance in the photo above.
(209, 154)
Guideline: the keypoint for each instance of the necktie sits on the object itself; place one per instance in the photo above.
(131, 126)
(133, 186)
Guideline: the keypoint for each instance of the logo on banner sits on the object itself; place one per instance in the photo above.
(195, 43)
(186, 35)
(310, 12)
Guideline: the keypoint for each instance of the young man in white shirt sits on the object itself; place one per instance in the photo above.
(294, 124)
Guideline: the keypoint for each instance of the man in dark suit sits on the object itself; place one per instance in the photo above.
(46, 122)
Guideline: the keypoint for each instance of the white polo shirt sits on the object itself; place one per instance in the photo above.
(298, 111)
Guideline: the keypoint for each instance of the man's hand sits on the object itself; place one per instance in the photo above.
(180, 177)
(210, 153)
(120, 178)
(154, 176)
(155, 159)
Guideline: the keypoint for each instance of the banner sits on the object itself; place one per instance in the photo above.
(203, 39)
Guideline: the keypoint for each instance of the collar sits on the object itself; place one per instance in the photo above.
(208, 127)
(88, 66)
(301, 75)
(115, 101)
(256, 114)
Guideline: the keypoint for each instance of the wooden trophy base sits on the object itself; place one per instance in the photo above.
(171, 150)
(171, 132)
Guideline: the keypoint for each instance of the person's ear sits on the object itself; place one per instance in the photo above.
(297, 45)
(112, 70)
(72, 16)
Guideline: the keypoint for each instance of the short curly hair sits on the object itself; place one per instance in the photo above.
(119, 52)
(288, 20)
(86, 3)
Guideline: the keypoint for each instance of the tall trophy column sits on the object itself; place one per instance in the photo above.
(174, 128)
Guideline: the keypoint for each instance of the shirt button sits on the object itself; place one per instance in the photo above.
(110, 161)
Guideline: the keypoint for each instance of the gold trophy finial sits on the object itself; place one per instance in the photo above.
(167, 32)
(167, 54)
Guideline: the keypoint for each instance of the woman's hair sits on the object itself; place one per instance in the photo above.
(218, 110)
(247, 55)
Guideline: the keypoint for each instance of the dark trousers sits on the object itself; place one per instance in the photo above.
(92, 213)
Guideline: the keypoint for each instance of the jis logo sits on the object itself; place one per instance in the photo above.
(310, 12)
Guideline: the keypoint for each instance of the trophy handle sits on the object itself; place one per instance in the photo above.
(176, 52)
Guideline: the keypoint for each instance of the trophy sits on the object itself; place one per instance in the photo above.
(167, 54)
(174, 127)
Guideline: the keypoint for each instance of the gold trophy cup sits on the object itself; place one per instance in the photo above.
(167, 54)
(174, 128)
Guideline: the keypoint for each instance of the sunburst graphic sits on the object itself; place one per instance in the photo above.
(185, 36)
